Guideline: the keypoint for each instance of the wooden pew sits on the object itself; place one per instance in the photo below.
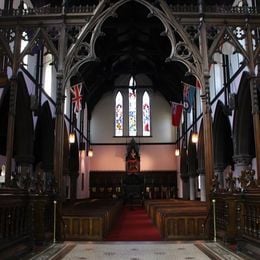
(184, 224)
(90, 220)
(178, 219)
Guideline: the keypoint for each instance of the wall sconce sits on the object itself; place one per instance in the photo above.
(90, 152)
(194, 137)
(177, 152)
(72, 138)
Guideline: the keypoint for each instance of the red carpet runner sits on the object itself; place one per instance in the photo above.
(134, 225)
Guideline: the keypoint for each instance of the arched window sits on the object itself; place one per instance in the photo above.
(132, 110)
(146, 114)
(132, 107)
(119, 115)
(47, 72)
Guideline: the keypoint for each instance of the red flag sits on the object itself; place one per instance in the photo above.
(176, 113)
(77, 97)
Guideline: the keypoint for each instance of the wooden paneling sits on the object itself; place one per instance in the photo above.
(157, 184)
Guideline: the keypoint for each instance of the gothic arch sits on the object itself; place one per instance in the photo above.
(24, 131)
(93, 30)
(243, 132)
(44, 138)
(222, 138)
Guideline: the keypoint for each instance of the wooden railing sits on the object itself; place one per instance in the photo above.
(25, 219)
(179, 8)
(238, 216)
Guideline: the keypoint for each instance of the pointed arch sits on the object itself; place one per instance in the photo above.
(119, 114)
(89, 34)
(146, 114)
(132, 117)
(44, 138)
(222, 138)
(24, 132)
(243, 121)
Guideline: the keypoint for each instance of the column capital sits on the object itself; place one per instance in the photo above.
(242, 159)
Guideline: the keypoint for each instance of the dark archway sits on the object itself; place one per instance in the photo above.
(24, 130)
(44, 138)
(222, 138)
(243, 140)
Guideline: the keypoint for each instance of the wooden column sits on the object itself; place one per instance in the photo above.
(59, 136)
(59, 121)
(12, 106)
(207, 119)
(254, 98)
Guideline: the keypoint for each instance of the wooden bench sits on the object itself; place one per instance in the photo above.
(90, 220)
(184, 225)
(178, 219)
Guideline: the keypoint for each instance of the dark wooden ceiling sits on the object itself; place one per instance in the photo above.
(132, 44)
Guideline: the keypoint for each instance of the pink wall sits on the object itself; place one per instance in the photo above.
(153, 157)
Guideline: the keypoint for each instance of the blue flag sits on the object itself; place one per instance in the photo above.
(188, 96)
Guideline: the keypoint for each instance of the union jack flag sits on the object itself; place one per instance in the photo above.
(77, 97)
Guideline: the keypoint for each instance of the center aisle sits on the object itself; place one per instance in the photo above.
(134, 225)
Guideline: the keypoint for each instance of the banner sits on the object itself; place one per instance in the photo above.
(188, 96)
(77, 97)
(176, 113)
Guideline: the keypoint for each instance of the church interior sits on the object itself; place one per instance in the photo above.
(129, 129)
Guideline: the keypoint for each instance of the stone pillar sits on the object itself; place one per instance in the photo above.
(186, 189)
(219, 170)
(192, 187)
(73, 185)
(202, 185)
(241, 163)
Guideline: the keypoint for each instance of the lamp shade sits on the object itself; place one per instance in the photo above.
(72, 138)
(90, 152)
(177, 152)
(194, 137)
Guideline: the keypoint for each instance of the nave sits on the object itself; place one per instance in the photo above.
(134, 236)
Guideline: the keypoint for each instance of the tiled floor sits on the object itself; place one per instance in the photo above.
(137, 251)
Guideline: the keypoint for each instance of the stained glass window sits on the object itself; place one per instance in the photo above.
(119, 115)
(132, 112)
(146, 115)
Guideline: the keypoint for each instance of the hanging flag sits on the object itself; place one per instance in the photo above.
(188, 96)
(176, 113)
(77, 97)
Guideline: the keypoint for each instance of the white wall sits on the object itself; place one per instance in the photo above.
(102, 122)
